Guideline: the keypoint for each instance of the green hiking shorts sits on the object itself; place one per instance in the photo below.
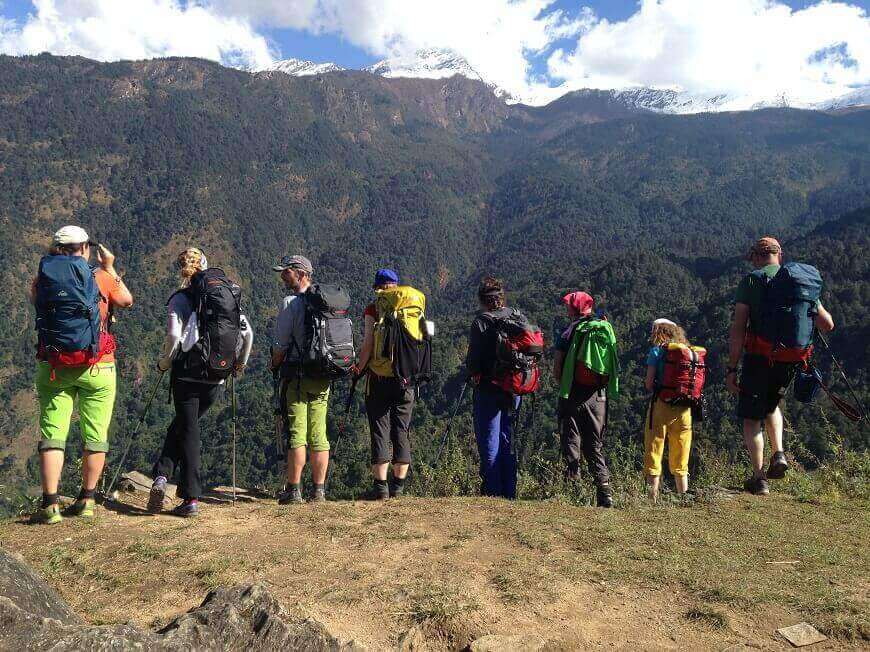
(307, 401)
(94, 387)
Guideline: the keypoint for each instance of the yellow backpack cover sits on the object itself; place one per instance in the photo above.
(402, 304)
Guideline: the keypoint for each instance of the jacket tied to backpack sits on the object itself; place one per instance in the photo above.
(593, 344)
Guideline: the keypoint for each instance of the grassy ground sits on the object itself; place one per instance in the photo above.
(720, 572)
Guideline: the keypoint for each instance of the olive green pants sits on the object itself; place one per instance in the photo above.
(307, 401)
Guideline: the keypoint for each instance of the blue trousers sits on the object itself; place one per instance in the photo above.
(493, 415)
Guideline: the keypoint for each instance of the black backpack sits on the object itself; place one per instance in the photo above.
(217, 302)
(328, 350)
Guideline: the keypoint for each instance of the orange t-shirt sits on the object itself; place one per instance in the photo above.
(109, 290)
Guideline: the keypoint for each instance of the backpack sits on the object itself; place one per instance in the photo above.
(68, 313)
(685, 372)
(217, 301)
(402, 340)
(519, 346)
(787, 314)
(584, 376)
(328, 350)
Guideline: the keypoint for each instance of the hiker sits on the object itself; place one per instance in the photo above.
(675, 375)
(585, 368)
(76, 361)
(499, 336)
(194, 384)
(775, 312)
(395, 357)
(306, 397)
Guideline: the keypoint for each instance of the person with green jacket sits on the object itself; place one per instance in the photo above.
(586, 371)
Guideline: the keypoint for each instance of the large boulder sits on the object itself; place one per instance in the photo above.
(34, 617)
(27, 590)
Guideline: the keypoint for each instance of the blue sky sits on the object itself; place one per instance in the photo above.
(328, 47)
(809, 49)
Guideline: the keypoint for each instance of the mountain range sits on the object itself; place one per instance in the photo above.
(439, 63)
(443, 181)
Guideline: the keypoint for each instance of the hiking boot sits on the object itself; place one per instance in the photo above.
(397, 490)
(48, 515)
(381, 491)
(83, 507)
(186, 509)
(604, 496)
(756, 486)
(319, 494)
(778, 466)
(157, 495)
(291, 496)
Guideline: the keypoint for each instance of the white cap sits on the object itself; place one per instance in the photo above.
(70, 235)
(662, 320)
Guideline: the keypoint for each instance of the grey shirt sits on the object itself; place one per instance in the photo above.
(290, 327)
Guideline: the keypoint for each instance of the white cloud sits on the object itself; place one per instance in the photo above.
(109, 30)
(497, 37)
(749, 47)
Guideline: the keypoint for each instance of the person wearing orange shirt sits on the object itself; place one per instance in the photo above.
(62, 379)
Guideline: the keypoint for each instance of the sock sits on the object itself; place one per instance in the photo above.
(318, 487)
(86, 493)
(49, 499)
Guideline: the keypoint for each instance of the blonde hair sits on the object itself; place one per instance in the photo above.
(190, 261)
(663, 334)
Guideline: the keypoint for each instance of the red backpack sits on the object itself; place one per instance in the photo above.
(518, 350)
(684, 374)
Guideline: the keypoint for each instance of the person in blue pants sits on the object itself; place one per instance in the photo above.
(493, 407)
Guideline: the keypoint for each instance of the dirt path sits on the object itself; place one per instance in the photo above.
(457, 568)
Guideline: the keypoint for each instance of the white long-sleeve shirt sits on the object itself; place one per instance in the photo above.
(182, 333)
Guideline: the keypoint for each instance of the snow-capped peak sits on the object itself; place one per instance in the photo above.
(429, 63)
(300, 67)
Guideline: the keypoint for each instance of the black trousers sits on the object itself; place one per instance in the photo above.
(389, 407)
(582, 422)
(182, 447)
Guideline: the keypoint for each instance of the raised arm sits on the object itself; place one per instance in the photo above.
(824, 322)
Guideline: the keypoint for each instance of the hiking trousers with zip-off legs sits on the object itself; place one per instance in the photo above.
(493, 429)
(582, 422)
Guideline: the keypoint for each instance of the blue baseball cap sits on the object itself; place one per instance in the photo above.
(384, 276)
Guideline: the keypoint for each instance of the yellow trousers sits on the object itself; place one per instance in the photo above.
(671, 422)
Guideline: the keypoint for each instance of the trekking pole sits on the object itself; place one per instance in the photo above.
(855, 414)
(450, 424)
(233, 426)
(278, 411)
(342, 423)
(134, 434)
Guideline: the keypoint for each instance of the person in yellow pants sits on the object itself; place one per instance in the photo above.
(669, 422)
(91, 384)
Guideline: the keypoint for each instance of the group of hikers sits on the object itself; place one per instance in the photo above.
(208, 341)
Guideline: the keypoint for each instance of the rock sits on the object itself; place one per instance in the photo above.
(27, 590)
(248, 617)
(515, 643)
(135, 482)
(411, 641)
(802, 634)
(34, 617)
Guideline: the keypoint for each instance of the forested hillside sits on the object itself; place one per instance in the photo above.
(440, 180)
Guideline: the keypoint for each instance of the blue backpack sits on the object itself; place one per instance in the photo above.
(789, 307)
(67, 309)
